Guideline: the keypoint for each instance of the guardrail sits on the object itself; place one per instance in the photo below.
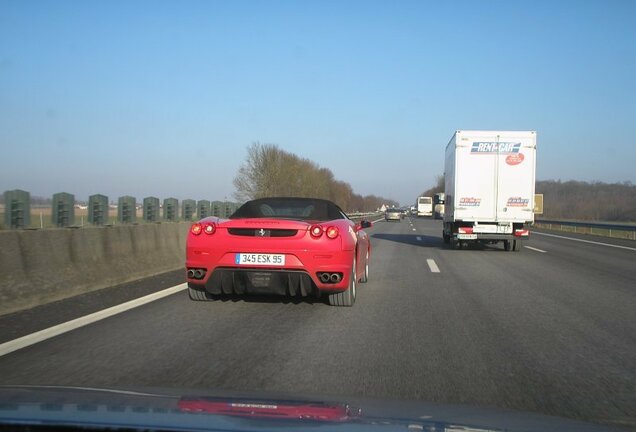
(603, 229)
(361, 216)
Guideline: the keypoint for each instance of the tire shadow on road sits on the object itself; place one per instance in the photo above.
(413, 239)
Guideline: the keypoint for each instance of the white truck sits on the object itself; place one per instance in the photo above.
(489, 187)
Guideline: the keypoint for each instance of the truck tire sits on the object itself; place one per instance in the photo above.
(446, 237)
(516, 245)
(454, 243)
(506, 245)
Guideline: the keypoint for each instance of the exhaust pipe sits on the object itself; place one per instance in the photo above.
(335, 277)
(324, 277)
(198, 274)
(190, 274)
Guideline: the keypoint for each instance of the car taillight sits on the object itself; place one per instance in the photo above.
(209, 228)
(465, 230)
(521, 232)
(332, 232)
(196, 228)
(315, 231)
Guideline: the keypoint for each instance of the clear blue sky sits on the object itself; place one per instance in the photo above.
(163, 98)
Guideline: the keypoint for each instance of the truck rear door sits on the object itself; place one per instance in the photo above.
(475, 179)
(515, 183)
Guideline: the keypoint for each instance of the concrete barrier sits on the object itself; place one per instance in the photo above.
(42, 266)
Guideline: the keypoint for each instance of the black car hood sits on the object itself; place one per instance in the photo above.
(195, 410)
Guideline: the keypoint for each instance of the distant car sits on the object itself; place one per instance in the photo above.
(287, 246)
(393, 214)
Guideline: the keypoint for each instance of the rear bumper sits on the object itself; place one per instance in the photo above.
(299, 276)
(489, 236)
(245, 281)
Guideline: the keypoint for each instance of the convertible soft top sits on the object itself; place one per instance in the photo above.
(290, 208)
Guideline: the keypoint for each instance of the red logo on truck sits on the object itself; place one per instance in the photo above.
(514, 159)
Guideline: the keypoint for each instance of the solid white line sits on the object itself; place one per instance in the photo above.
(535, 249)
(377, 220)
(584, 241)
(95, 389)
(59, 329)
(432, 265)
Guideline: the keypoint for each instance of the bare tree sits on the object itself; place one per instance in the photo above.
(270, 171)
(439, 186)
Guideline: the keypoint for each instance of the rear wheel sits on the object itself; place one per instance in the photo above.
(506, 245)
(198, 293)
(365, 276)
(516, 245)
(446, 237)
(347, 297)
(455, 244)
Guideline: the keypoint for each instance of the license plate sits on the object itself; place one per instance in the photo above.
(259, 259)
(467, 236)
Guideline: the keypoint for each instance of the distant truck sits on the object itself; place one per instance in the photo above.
(489, 186)
(424, 206)
(438, 205)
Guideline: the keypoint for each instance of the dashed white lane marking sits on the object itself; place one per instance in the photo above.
(584, 241)
(535, 249)
(377, 220)
(432, 265)
(418, 238)
(57, 330)
(414, 229)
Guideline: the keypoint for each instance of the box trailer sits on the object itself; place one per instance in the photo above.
(489, 187)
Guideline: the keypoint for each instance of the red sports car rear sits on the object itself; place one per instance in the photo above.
(287, 246)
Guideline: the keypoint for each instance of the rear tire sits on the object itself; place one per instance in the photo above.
(446, 238)
(198, 293)
(516, 245)
(347, 297)
(365, 276)
(455, 244)
(506, 245)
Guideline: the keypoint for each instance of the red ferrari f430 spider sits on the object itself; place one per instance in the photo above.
(288, 246)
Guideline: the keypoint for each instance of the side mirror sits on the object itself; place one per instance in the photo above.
(365, 224)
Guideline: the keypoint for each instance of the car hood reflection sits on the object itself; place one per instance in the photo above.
(186, 410)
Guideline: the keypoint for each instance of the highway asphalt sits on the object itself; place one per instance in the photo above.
(550, 329)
